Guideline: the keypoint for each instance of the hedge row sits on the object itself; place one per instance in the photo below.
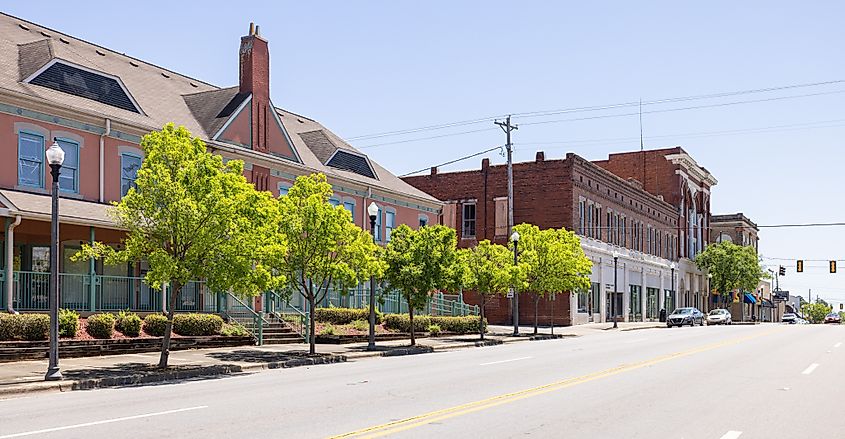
(184, 324)
(29, 327)
(458, 325)
(344, 316)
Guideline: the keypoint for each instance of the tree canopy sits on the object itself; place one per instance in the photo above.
(192, 217)
(419, 262)
(489, 271)
(316, 247)
(732, 267)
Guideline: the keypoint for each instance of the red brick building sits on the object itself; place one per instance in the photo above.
(614, 215)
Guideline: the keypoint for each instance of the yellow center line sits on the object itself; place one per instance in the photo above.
(471, 407)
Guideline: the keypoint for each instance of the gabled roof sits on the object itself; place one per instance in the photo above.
(163, 95)
(39, 207)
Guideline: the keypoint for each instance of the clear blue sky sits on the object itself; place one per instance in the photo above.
(371, 67)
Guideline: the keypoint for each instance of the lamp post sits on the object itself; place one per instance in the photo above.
(55, 157)
(515, 239)
(709, 286)
(615, 288)
(372, 211)
(668, 311)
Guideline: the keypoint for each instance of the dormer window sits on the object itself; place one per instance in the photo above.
(79, 81)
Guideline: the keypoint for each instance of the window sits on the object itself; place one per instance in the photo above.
(389, 221)
(583, 301)
(334, 202)
(595, 291)
(69, 175)
(129, 165)
(350, 206)
(581, 218)
(624, 232)
(590, 221)
(468, 230)
(283, 189)
(30, 160)
(608, 234)
(377, 231)
(423, 221)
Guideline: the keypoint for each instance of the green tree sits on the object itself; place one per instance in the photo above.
(550, 261)
(733, 267)
(489, 271)
(815, 312)
(316, 246)
(419, 262)
(191, 217)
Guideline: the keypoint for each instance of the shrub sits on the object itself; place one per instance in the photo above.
(128, 323)
(194, 324)
(234, 330)
(434, 330)
(328, 330)
(155, 324)
(344, 316)
(458, 325)
(68, 323)
(402, 322)
(101, 325)
(30, 327)
(361, 325)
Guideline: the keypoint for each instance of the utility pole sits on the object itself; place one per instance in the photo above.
(508, 128)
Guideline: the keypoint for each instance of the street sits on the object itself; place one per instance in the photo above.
(764, 381)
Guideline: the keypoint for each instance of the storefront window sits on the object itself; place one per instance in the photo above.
(635, 313)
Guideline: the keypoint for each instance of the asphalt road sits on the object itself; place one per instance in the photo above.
(766, 381)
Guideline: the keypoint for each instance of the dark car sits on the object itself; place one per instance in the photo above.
(685, 316)
(832, 318)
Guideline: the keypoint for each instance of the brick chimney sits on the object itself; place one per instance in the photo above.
(254, 77)
(541, 156)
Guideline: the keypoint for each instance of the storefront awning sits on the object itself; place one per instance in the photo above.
(767, 303)
(39, 206)
(749, 299)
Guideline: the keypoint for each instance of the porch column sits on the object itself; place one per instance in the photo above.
(661, 295)
(626, 292)
(10, 262)
(602, 293)
(92, 278)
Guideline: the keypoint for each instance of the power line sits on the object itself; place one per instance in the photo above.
(425, 138)
(772, 226)
(454, 161)
(590, 108)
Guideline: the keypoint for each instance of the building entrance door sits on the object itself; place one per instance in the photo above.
(651, 311)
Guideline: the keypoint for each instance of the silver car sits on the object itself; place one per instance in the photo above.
(719, 317)
(685, 316)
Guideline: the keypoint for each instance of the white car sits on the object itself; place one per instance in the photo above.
(719, 317)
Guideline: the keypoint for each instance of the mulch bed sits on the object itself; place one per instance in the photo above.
(82, 333)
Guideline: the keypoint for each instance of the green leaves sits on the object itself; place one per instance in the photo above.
(551, 260)
(732, 267)
(421, 261)
(488, 268)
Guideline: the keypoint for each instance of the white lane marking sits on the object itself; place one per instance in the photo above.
(732, 435)
(837, 344)
(807, 371)
(106, 421)
(495, 362)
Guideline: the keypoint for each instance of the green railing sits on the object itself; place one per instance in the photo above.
(295, 318)
(238, 311)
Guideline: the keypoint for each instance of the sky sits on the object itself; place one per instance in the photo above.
(365, 68)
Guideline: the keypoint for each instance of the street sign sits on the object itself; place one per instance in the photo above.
(781, 295)
(510, 294)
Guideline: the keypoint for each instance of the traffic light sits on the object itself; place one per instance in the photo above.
(799, 266)
(782, 270)
(840, 307)
(833, 266)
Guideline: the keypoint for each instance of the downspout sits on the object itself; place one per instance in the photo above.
(10, 260)
(102, 157)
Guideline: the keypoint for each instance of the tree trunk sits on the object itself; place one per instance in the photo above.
(536, 306)
(312, 317)
(481, 321)
(411, 318)
(552, 315)
(168, 327)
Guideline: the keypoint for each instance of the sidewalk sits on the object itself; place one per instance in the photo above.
(132, 369)
(577, 330)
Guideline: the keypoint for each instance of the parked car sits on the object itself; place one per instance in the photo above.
(789, 317)
(832, 318)
(719, 317)
(685, 316)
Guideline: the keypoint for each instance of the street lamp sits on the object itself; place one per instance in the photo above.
(709, 286)
(372, 211)
(615, 288)
(668, 311)
(515, 298)
(55, 157)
